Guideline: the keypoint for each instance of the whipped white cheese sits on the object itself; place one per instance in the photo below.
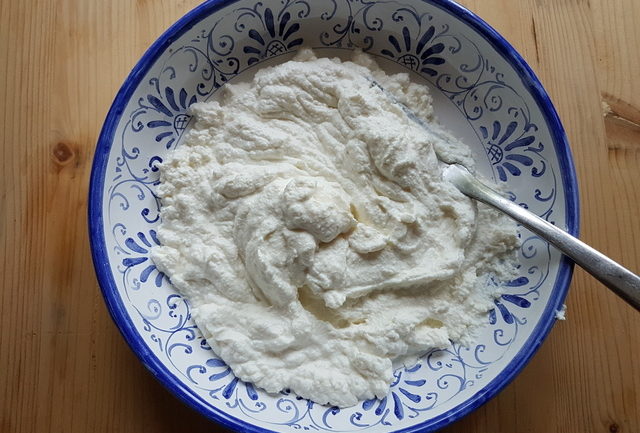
(306, 220)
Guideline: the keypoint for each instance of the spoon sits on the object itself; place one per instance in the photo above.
(620, 280)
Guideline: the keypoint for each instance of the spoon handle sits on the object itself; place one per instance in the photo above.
(620, 280)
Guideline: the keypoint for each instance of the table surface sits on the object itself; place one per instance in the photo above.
(63, 365)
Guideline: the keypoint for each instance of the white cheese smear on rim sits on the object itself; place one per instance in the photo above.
(306, 220)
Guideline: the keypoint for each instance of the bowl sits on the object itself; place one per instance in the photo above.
(483, 91)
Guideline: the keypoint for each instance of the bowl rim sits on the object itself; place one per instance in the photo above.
(116, 306)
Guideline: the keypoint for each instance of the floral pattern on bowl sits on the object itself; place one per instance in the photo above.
(483, 86)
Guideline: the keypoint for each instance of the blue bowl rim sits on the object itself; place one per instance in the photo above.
(118, 311)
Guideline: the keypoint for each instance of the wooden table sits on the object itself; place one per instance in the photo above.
(64, 366)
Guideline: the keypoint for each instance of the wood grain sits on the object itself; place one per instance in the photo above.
(63, 365)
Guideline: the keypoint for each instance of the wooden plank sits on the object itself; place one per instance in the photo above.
(63, 365)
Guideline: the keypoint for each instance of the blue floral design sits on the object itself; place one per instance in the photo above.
(421, 56)
(164, 112)
(279, 39)
(271, 34)
(138, 249)
(517, 300)
(169, 119)
(404, 398)
(194, 68)
(501, 147)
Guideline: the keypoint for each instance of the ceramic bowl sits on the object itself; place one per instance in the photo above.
(484, 92)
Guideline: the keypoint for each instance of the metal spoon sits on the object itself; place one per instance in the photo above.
(620, 280)
(623, 282)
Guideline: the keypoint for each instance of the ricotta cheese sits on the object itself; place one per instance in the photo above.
(306, 220)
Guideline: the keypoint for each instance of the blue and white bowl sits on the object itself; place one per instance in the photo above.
(484, 92)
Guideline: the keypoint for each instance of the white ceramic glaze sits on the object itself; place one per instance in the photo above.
(484, 92)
